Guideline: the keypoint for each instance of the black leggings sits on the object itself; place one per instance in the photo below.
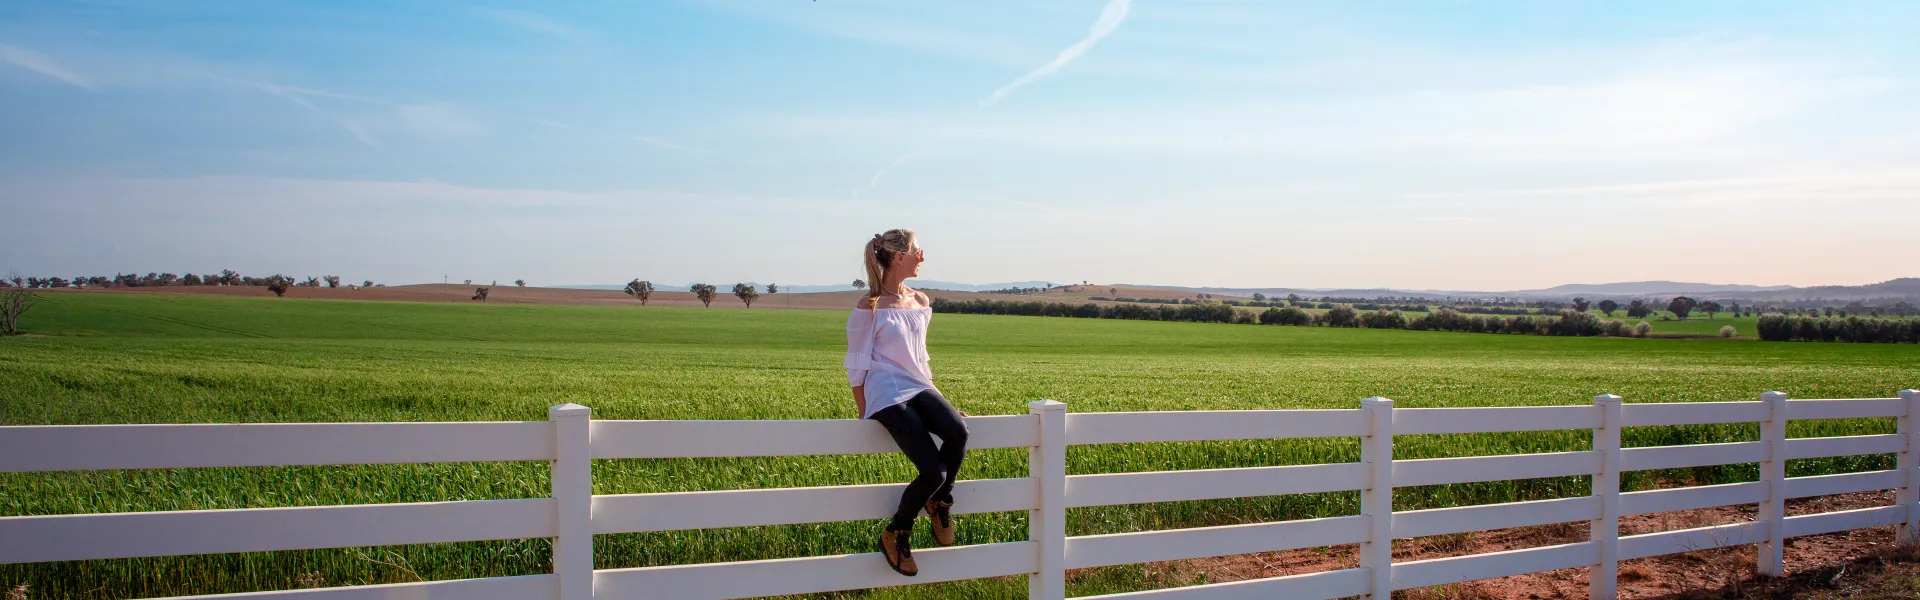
(911, 422)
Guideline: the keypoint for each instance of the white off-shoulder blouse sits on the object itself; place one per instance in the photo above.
(887, 353)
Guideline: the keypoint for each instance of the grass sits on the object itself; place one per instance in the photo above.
(160, 359)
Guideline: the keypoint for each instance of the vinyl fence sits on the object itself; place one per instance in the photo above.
(573, 514)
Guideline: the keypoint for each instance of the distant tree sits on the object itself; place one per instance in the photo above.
(1608, 306)
(641, 290)
(859, 284)
(1341, 316)
(60, 283)
(480, 294)
(1113, 291)
(333, 281)
(1709, 307)
(1259, 297)
(367, 283)
(773, 288)
(15, 299)
(520, 282)
(190, 279)
(469, 282)
(1681, 306)
(278, 284)
(704, 292)
(312, 282)
(746, 293)
(229, 277)
(1637, 309)
(1580, 304)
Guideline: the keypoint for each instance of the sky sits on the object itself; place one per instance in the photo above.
(1435, 145)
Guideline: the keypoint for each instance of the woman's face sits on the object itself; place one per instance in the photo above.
(909, 262)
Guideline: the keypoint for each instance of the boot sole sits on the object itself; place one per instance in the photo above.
(891, 564)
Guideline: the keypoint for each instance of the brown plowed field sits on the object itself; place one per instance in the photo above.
(506, 294)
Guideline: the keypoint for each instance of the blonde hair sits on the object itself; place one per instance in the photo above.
(879, 254)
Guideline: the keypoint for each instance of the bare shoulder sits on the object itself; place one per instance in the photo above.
(866, 302)
(925, 300)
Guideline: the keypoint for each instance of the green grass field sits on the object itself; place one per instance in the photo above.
(100, 358)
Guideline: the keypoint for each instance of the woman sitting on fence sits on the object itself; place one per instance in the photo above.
(887, 366)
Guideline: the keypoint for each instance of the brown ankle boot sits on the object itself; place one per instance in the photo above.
(941, 513)
(898, 549)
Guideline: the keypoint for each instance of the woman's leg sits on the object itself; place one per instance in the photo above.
(941, 419)
(911, 434)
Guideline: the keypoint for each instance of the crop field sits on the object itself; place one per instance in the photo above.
(126, 358)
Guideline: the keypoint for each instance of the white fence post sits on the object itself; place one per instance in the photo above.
(1376, 501)
(1047, 522)
(572, 479)
(1771, 557)
(1603, 579)
(1910, 464)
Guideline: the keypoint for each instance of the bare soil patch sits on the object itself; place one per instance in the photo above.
(1853, 564)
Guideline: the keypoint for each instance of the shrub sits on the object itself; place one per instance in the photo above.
(1615, 329)
(1285, 316)
(1574, 323)
(1727, 331)
(1642, 329)
(1341, 316)
(1383, 319)
(1243, 318)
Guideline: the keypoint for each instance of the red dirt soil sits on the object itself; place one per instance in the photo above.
(1724, 572)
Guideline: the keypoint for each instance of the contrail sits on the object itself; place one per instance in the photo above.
(1110, 18)
(904, 159)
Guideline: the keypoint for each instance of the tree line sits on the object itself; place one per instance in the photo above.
(227, 277)
(1855, 328)
(1566, 323)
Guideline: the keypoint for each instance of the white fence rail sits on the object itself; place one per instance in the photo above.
(570, 440)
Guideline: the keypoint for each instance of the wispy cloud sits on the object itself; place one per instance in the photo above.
(654, 141)
(910, 156)
(440, 119)
(534, 22)
(1856, 185)
(32, 61)
(298, 96)
(1110, 19)
(553, 124)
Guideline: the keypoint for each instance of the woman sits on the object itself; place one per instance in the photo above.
(887, 367)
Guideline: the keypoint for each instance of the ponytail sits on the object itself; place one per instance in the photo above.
(876, 266)
(878, 256)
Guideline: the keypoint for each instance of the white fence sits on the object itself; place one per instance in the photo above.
(573, 515)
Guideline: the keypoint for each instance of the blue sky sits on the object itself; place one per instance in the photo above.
(1438, 145)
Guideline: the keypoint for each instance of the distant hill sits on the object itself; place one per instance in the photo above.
(1643, 288)
(1907, 288)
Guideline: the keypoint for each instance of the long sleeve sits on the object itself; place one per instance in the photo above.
(859, 346)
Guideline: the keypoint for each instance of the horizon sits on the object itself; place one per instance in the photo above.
(1196, 144)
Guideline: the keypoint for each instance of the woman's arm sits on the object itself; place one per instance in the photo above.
(859, 352)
